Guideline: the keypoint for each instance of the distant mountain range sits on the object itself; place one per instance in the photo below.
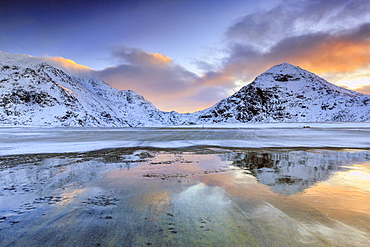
(38, 94)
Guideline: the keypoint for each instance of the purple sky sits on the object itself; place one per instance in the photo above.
(186, 55)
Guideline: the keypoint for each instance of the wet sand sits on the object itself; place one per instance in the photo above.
(186, 197)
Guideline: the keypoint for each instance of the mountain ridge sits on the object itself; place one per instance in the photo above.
(40, 94)
(287, 93)
(37, 93)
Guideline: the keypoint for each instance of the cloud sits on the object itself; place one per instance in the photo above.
(137, 56)
(170, 86)
(364, 89)
(68, 65)
(325, 53)
(166, 84)
(292, 18)
(330, 38)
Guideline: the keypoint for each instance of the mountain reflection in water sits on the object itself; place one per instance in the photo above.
(193, 196)
(290, 172)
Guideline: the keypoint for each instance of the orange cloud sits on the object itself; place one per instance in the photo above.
(364, 89)
(156, 58)
(335, 56)
(68, 65)
(166, 84)
(338, 58)
(186, 106)
(217, 78)
(354, 80)
(133, 56)
(340, 62)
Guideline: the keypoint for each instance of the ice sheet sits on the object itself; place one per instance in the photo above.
(27, 140)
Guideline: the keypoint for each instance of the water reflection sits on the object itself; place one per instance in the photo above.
(194, 197)
(291, 172)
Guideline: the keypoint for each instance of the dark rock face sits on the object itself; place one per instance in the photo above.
(21, 96)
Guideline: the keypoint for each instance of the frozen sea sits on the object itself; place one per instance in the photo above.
(293, 184)
(262, 135)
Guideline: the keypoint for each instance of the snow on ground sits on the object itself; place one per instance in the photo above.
(334, 125)
(27, 140)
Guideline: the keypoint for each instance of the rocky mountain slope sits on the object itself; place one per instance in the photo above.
(34, 93)
(286, 93)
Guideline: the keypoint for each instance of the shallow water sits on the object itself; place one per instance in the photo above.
(194, 196)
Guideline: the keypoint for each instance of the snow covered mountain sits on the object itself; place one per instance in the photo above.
(287, 93)
(33, 93)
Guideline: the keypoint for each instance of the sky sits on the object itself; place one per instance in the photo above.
(186, 55)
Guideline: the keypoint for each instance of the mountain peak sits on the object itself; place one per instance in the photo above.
(18, 59)
(294, 79)
(284, 68)
(287, 93)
